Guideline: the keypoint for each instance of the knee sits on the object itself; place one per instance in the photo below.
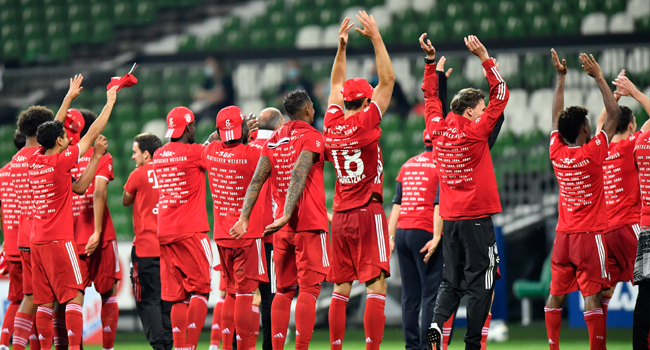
(313, 290)
(288, 292)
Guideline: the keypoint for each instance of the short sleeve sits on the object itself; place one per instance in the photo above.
(105, 168)
(313, 141)
(69, 158)
(372, 115)
(557, 143)
(598, 147)
(132, 182)
(199, 151)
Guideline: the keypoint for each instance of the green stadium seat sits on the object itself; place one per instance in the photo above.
(406, 16)
(8, 32)
(152, 93)
(532, 8)
(454, 11)
(540, 27)
(29, 3)
(456, 82)
(212, 42)
(301, 5)
(98, 97)
(258, 23)
(390, 35)
(415, 124)
(514, 28)
(643, 24)
(8, 16)
(346, 4)
(275, 5)
(260, 38)
(32, 31)
(280, 19)
(398, 156)
(125, 111)
(34, 49)
(408, 31)
(77, 13)
(78, 32)
(53, 2)
(123, 13)
(176, 92)
(148, 76)
(151, 111)
(59, 50)
(488, 29)
(304, 18)
(99, 11)
(506, 9)
(586, 7)
(368, 4)
(109, 132)
(285, 37)
(12, 49)
(145, 12)
(172, 75)
(32, 15)
(560, 7)
(460, 29)
(480, 10)
(187, 43)
(526, 289)
(234, 40)
(231, 23)
(391, 122)
(195, 75)
(328, 17)
(614, 6)
(320, 5)
(436, 32)
(568, 26)
(102, 32)
(431, 14)
(129, 128)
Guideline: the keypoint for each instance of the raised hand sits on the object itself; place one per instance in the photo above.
(441, 66)
(75, 86)
(344, 30)
(590, 66)
(624, 86)
(370, 29)
(101, 144)
(560, 68)
(427, 47)
(111, 95)
(477, 48)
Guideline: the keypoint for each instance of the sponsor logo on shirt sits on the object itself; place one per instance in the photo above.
(167, 154)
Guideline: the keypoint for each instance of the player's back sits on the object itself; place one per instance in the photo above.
(283, 150)
(230, 170)
(419, 178)
(10, 212)
(642, 161)
(621, 183)
(352, 145)
(144, 185)
(579, 171)
(20, 179)
(181, 176)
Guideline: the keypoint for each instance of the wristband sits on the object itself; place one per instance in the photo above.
(428, 61)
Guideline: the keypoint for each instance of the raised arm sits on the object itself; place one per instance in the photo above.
(625, 87)
(262, 173)
(442, 83)
(299, 175)
(558, 97)
(592, 68)
(100, 122)
(339, 67)
(603, 113)
(433, 112)
(384, 90)
(73, 92)
(81, 185)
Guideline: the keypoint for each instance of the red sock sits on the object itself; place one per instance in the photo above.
(256, 326)
(243, 320)
(74, 321)
(8, 324)
(596, 325)
(486, 330)
(23, 324)
(60, 331)
(280, 315)
(374, 320)
(215, 333)
(228, 321)
(179, 323)
(553, 323)
(337, 319)
(110, 314)
(196, 314)
(605, 305)
(34, 342)
(45, 326)
(446, 331)
(306, 316)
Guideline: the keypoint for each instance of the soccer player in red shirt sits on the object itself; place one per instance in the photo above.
(55, 265)
(10, 212)
(359, 229)
(141, 192)
(579, 260)
(468, 192)
(185, 251)
(231, 165)
(293, 161)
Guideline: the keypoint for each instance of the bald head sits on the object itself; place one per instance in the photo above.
(270, 119)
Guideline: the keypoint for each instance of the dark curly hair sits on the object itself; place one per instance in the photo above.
(355, 104)
(570, 121)
(32, 117)
(466, 98)
(89, 119)
(48, 132)
(19, 139)
(148, 142)
(295, 102)
(627, 117)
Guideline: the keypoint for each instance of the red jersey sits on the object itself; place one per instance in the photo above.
(468, 188)
(20, 179)
(579, 172)
(50, 177)
(181, 176)
(621, 182)
(230, 170)
(142, 184)
(283, 149)
(265, 196)
(642, 159)
(419, 178)
(10, 213)
(82, 206)
(353, 147)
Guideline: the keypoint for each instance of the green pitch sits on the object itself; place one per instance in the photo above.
(529, 338)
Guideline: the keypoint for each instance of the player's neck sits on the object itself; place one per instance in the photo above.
(621, 137)
(349, 113)
(53, 150)
(31, 142)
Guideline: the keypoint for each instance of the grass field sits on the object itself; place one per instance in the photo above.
(529, 338)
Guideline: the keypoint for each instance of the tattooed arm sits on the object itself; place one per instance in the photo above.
(259, 178)
(297, 184)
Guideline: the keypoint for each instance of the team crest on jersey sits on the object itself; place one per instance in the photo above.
(568, 161)
(167, 154)
(332, 110)
(436, 119)
(367, 109)
(21, 158)
(68, 153)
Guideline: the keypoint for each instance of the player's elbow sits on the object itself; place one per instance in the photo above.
(389, 78)
(76, 188)
(99, 195)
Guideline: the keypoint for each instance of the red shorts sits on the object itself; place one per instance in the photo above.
(621, 252)
(579, 262)
(300, 258)
(186, 267)
(55, 269)
(243, 267)
(26, 261)
(359, 244)
(102, 268)
(15, 269)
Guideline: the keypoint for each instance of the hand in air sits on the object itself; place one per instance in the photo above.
(590, 66)
(344, 30)
(370, 29)
(101, 144)
(427, 47)
(476, 47)
(441, 67)
(560, 67)
(75, 86)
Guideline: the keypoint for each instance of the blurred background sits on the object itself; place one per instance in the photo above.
(207, 54)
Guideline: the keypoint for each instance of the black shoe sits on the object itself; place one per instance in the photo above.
(434, 336)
